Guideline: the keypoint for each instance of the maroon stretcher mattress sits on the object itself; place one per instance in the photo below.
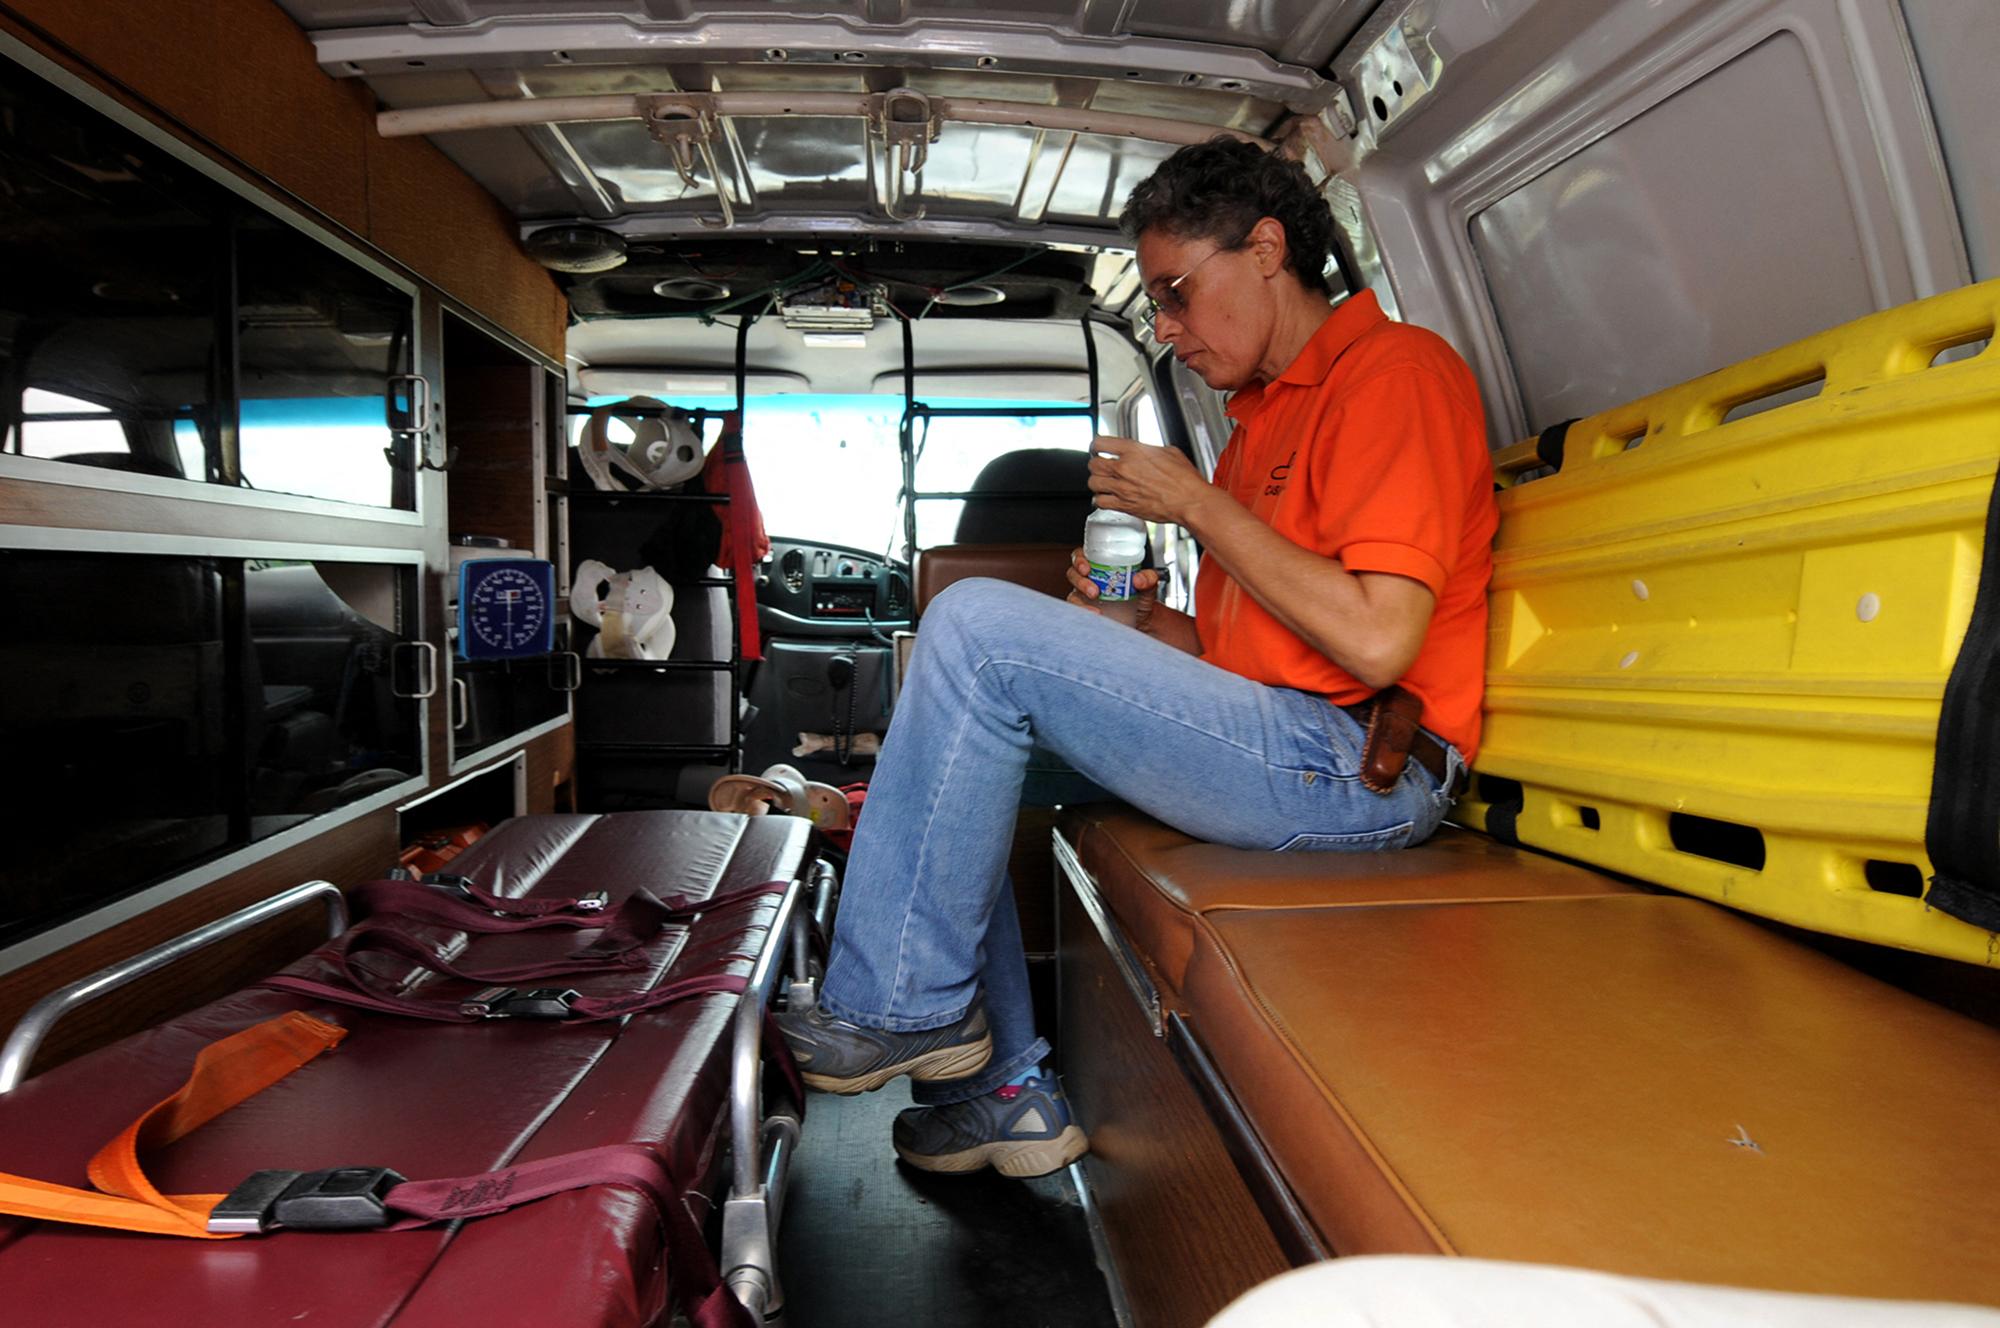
(429, 1100)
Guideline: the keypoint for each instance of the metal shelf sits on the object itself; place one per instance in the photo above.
(662, 665)
(638, 496)
(658, 748)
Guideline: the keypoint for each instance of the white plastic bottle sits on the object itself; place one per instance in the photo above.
(1114, 543)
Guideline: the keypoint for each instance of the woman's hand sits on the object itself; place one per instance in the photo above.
(1153, 483)
(1083, 591)
(1162, 624)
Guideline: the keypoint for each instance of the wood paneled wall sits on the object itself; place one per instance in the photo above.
(237, 79)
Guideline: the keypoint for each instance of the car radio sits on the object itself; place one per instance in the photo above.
(843, 597)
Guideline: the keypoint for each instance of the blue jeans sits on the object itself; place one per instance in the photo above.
(927, 916)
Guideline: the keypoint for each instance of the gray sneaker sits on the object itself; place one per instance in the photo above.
(835, 1056)
(1021, 1130)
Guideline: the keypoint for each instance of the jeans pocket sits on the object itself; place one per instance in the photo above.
(1396, 836)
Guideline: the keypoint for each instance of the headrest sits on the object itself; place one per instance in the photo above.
(1059, 480)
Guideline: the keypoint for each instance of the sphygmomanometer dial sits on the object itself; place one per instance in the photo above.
(504, 608)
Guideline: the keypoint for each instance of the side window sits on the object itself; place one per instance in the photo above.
(1174, 550)
(57, 427)
(1143, 420)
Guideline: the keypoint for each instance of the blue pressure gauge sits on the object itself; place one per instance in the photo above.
(505, 608)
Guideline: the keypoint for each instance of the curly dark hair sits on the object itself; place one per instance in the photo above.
(1220, 189)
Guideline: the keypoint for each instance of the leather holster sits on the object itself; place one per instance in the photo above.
(1391, 728)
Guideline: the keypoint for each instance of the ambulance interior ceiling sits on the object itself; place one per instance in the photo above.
(1590, 200)
(1018, 239)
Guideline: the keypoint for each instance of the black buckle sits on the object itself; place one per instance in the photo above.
(337, 1199)
(513, 1003)
(460, 886)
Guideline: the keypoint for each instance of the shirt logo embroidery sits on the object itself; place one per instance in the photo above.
(1280, 475)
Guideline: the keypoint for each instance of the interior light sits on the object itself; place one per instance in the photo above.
(691, 385)
(838, 340)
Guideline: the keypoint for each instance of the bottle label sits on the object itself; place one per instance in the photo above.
(1114, 584)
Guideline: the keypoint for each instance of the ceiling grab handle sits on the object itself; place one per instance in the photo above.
(688, 132)
(907, 125)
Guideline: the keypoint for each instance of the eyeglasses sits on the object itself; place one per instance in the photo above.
(1169, 300)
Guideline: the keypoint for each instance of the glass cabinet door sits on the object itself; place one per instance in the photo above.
(318, 340)
(153, 322)
(161, 711)
(113, 257)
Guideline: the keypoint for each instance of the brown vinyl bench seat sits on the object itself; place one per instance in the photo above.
(1468, 1048)
(1160, 884)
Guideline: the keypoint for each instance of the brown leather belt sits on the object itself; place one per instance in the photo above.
(1388, 721)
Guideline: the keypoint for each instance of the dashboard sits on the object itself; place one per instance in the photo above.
(824, 589)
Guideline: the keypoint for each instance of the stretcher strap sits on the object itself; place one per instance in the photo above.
(582, 1009)
(480, 912)
(638, 920)
(230, 1070)
(225, 1073)
(488, 914)
(697, 1283)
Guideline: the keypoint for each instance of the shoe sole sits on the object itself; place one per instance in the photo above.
(1036, 1157)
(944, 1063)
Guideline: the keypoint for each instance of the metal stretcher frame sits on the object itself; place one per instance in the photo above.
(762, 1145)
(43, 1015)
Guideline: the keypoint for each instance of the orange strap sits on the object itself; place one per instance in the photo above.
(225, 1073)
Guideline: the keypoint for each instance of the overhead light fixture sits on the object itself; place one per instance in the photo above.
(576, 248)
(837, 340)
(699, 289)
(970, 294)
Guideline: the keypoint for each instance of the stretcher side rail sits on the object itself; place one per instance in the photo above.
(762, 1146)
(44, 1014)
(757, 1187)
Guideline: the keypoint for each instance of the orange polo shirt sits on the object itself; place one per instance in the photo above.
(1370, 449)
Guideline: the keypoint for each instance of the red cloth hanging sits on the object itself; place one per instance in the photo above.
(744, 543)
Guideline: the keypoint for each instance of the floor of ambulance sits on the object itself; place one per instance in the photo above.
(868, 1240)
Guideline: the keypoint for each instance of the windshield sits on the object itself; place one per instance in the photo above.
(828, 470)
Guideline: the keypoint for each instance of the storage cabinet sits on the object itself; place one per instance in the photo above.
(499, 430)
(233, 448)
(156, 323)
(162, 711)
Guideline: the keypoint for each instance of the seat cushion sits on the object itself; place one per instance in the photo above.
(430, 1100)
(1043, 567)
(1641, 1084)
(1158, 882)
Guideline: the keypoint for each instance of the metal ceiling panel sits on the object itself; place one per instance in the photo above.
(1304, 33)
(1026, 346)
(1041, 115)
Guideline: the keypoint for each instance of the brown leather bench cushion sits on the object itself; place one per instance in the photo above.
(1158, 882)
(1573, 1081)
(430, 1100)
(1043, 567)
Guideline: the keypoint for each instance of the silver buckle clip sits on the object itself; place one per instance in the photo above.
(514, 1003)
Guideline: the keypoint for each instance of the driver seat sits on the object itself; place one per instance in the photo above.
(1025, 518)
